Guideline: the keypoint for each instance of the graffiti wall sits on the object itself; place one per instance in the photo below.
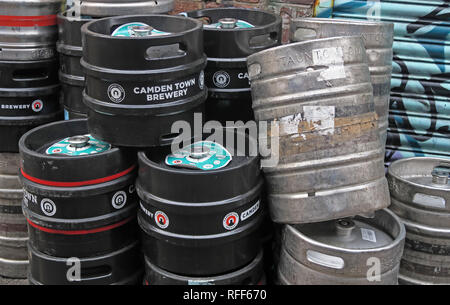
(419, 121)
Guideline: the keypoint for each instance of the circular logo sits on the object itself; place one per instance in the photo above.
(119, 199)
(201, 80)
(230, 221)
(37, 105)
(221, 79)
(48, 207)
(116, 93)
(161, 220)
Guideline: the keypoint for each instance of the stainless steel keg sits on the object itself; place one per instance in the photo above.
(378, 38)
(420, 195)
(350, 251)
(318, 95)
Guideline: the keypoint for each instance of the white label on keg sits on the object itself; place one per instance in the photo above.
(248, 213)
(29, 198)
(289, 124)
(166, 92)
(429, 200)
(368, 235)
(321, 118)
(48, 207)
(333, 58)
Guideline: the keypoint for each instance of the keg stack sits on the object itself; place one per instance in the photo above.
(80, 204)
(420, 195)
(230, 36)
(328, 188)
(28, 98)
(70, 46)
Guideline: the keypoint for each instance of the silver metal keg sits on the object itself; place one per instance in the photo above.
(330, 156)
(420, 196)
(13, 229)
(378, 38)
(350, 251)
(102, 8)
(28, 29)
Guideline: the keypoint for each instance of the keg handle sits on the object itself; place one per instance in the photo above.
(325, 260)
(295, 30)
(440, 176)
(273, 38)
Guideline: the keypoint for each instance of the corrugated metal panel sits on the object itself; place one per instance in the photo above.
(420, 88)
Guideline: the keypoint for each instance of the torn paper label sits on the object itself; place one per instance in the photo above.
(331, 57)
(321, 118)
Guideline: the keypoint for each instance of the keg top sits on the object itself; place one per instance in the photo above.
(241, 175)
(64, 152)
(256, 30)
(359, 233)
(347, 233)
(424, 172)
(181, 45)
(258, 19)
(175, 25)
(373, 33)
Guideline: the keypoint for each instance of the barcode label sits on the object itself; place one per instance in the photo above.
(368, 235)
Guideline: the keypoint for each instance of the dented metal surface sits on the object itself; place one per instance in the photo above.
(420, 195)
(351, 251)
(319, 94)
(420, 96)
(377, 37)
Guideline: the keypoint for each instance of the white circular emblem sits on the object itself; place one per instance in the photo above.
(48, 207)
(119, 199)
(230, 221)
(37, 105)
(161, 219)
(201, 80)
(221, 79)
(116, 93)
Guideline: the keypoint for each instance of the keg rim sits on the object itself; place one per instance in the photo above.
(258, 260)
(86, 29)
(396, 242)
(252, 58)
(399, 163)
(351, 22)
(242, 9)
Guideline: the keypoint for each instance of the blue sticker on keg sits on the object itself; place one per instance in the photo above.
(66, 115)
(204, 155)
(135, 29)
(78, 146)
(234, 24)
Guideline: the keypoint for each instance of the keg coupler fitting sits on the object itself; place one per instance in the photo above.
(344, 227)
(440, 175)
(78, 141)
(142, 30)
(228, 23)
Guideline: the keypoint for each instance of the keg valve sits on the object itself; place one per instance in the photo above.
(344, 227)
(78, 141)
(141, 30)
(228, 23)
(440, 175)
